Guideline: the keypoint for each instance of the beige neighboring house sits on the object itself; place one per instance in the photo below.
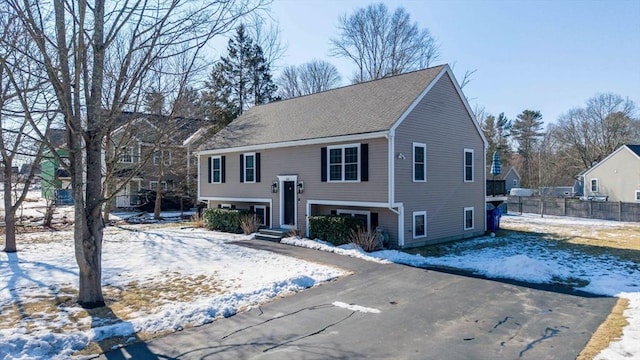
(403, 153)
(617, 176)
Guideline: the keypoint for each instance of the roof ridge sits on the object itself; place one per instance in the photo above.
(355, 84)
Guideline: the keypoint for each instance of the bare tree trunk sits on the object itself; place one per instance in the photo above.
(9, 214)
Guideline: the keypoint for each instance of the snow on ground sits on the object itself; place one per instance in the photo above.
(142, 254)
(533, 259)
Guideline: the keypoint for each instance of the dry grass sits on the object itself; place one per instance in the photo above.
(610, 330)
(626, 236)
(123, 303)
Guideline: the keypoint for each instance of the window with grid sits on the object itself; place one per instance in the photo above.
(468, 218)
(468, 165)
(344, 163)
(249, 168)
(216, 170)
(419, 162)
(126, 154)
(594, 185)
(419, 224)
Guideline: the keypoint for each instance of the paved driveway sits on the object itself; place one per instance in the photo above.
(423, 314)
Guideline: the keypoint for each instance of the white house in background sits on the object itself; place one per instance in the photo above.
(403, 153)
(617, 176)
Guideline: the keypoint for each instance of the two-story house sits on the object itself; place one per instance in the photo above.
(616, 177)
(404, 153)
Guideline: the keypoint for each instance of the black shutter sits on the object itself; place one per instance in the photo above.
(233, 207)
(267, 217)
(323, 165)
(241, 168)
(252, 209)
(257, 165)
(219, 206)
(223, 165)
(209, 177)
(364, 162)
(374, 220)
(334, 212)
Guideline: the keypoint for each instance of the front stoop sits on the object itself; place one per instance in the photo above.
(270, 234)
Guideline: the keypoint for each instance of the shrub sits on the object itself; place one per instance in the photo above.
(368, 240)
(225, 220)
(249, 223)
(333, 228)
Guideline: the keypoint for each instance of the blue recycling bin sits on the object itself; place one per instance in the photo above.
(493, 219)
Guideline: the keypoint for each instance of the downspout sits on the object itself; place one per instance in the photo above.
(391, 171)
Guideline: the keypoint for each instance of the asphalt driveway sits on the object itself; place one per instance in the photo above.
(423, 314)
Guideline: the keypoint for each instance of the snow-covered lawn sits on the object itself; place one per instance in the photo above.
(535, 258)
(157, 279)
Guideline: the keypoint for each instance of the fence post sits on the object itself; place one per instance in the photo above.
(564, 209)
(620, 211)
(590, 209)
(520, 204)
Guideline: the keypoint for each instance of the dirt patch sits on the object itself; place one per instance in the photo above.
(610, 330)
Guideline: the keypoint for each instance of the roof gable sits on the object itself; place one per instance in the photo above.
(634, 149)
(368, 107)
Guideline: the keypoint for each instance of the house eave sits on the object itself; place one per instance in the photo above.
(293, 143)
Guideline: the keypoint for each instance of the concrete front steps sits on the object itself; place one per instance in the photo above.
(271, 234)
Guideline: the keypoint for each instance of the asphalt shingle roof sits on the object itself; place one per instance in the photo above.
(356, 109)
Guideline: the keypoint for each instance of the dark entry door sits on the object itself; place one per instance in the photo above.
(289, 202)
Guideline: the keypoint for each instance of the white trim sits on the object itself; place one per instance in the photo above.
(587, 171)
(415, 214)
(123, 150)
(350, 203)
(244, 169)
(343, 162)
(357, 212)
(211, 158)
(637, 197)
(401, 225)
(413, 159)
(391, 171)
(591, 185)
(293, 143)
(241, 200)
(264, 211)
(446, 70)
(464, 164)
(473, 218)
(281, 180)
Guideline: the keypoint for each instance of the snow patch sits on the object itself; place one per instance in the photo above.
(354, 307)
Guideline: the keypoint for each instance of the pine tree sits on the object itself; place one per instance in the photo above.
(238, 81)
(526, 132)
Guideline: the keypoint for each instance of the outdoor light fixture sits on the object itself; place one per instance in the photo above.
(274, 187)
(300, 187)
(401, 156)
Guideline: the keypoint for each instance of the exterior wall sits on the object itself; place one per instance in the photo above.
(618, 177)
(508, 180)
(303, 162)
(440, 121)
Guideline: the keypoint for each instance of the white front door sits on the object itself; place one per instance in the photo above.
(123, 198)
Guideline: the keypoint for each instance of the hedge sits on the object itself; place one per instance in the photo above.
(333, 228)
(225, 220)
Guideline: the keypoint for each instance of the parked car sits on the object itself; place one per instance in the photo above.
(170, 200)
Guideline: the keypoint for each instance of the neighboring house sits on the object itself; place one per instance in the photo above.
(404, 153)
(55, 180)
(616, 177)
(511, 179)
(150, 150)
(14, 174)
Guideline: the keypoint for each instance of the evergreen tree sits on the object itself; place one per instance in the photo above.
(526, 132)
(238, 81)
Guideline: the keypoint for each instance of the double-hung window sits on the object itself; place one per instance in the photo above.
(468, 165)
(250, 167)
(419, 162)
(364, 216)
(162, 155)
(126, 154)
(419, 224)
(594, 185)
(216, 169)
(344, 163)
(468, 218)
(637, 195)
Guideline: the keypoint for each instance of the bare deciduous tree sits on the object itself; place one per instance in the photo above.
(381, 43)
(308, 78)
(99, 57)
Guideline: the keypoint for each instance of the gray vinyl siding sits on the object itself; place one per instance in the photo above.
(440, 121)
(508, 180)
(305, 162)
(618, 177)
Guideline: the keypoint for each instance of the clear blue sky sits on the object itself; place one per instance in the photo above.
(540, 55)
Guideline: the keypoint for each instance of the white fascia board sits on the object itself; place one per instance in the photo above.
(349, 203)
(584, 173)
(235, 199)
(318, 141)
(445, 70)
